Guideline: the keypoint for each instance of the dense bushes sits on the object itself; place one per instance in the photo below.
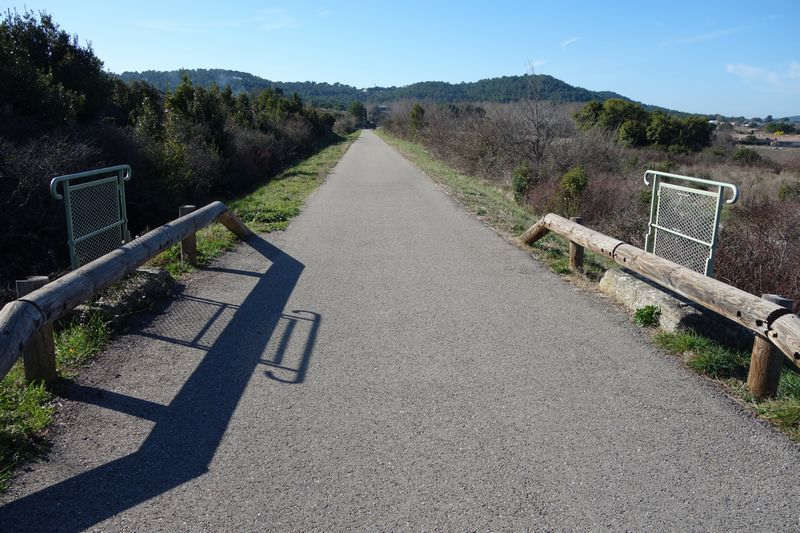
(782, 127)
(60, 113)
(634, 126)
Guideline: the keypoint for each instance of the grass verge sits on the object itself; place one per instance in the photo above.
(26, 410)
(494, 204)
(729, 367)
(268, 208)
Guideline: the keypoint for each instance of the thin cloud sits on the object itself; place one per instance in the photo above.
(270, 19)
(704, 37)
(569, 41)
(745, 71)
(764, 76)
(275, 19)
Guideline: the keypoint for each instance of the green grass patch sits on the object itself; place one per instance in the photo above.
(268, 208)
(704, 355)
(730, 367)
(27, 409)
(78, 342)
(647, 316)
(495, 204)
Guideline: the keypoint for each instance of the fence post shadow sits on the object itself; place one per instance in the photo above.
(188, 431)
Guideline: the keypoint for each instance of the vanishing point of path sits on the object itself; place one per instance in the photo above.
(389, 363)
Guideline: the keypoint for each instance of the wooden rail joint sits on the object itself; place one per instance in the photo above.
(765, 318)
(21, 319)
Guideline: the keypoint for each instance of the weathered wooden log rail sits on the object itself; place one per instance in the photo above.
(21, 319)
(769, 320)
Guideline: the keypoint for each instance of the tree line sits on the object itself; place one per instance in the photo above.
(61, 113)
(340, 96)
(634, 126)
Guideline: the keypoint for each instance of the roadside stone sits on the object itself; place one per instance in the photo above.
(677, 313)
(135, 293)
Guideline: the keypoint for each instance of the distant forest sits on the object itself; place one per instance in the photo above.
(337, 95)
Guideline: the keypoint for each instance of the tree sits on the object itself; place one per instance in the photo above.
(695, 133)
(616, 111)
(632, 133)
(45, 73)
(662, 129)
(589, 115)
(572, 185)
(359, 112)
(417, 117)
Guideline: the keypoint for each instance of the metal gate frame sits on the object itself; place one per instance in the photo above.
(655, 225)
(121, 174)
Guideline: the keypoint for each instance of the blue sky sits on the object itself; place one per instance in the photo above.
(735, 58)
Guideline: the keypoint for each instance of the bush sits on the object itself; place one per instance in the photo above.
(417, 117)
(572, 185)
(634, 126)
(521, 181)
(746, 156)
(789, 191)
(632, 133)
(647, 316)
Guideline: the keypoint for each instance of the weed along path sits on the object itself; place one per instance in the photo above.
(387, 363)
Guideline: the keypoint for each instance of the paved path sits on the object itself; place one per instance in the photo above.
(390, 363)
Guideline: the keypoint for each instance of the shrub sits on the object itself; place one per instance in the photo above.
(632, 133)
(647, 316)
(359, 113)
(521, 180)
(417, 117)
(789, 191)
(572, 185)
(746, 156)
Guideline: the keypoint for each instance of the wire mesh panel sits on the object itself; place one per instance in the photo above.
(684, 221)
(97, 221)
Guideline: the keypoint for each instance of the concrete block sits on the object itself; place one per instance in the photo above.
(677, 313)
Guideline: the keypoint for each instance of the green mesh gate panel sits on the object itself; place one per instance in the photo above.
(97, 222)
(684, 221)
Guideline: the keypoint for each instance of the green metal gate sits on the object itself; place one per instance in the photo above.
(684, 221)
(97, 221)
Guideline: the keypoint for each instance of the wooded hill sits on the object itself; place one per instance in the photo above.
(503, 89)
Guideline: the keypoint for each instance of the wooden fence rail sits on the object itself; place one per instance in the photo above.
(21, 319)
(767, 319)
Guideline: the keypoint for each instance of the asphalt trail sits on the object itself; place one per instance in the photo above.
(389, 363)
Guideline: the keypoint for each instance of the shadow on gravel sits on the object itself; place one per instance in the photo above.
(187, 431)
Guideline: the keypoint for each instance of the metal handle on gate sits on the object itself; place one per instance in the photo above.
(722, 185)
(123, 171)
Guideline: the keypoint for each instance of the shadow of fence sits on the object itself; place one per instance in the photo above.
(188, 431)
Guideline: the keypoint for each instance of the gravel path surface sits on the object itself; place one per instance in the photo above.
(389, 363)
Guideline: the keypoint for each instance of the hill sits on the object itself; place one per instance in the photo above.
(503, 89)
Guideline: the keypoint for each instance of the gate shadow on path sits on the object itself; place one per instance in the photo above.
(188, 431)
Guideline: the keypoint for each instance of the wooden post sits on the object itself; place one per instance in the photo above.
(232, 222)
(576, 251)
(766, 360)
(39, 353)
(189, 244)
